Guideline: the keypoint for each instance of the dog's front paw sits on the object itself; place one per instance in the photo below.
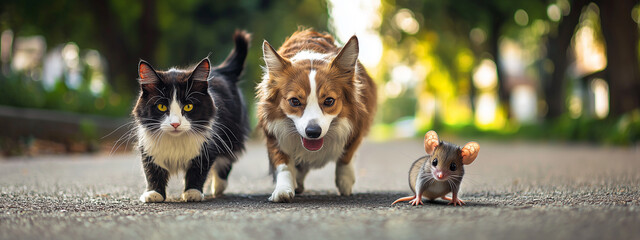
(282, 194)
(345, 186)
(192, 195)
(345, 178)
(151, 197)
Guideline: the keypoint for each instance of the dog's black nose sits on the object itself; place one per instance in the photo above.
(313, 131)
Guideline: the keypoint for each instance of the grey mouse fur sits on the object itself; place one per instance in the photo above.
(439, 172)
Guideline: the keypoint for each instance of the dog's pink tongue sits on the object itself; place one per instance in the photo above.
(312, 144)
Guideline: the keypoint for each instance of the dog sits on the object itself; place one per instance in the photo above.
(316, 103)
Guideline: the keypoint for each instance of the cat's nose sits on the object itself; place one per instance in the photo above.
(175, 125)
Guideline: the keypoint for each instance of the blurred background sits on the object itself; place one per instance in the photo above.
(559, 70)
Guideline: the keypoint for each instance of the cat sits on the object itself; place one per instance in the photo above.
(191, 121)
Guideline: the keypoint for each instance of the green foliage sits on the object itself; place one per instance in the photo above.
(624, 130)
(21, 91)
(187, 31)
(180, 33)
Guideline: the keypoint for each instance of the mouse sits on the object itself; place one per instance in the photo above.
(439, 172)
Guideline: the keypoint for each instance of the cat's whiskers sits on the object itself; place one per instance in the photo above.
(128, 136)
(224, 145)
(156, 87)
(191, 93)
(225, 133)
(158, 99)
(216, 124)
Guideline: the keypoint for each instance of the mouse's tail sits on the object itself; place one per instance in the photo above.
(404, 199)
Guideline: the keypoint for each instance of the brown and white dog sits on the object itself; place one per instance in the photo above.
(316, 103)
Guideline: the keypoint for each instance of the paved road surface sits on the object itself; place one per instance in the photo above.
(514, 190)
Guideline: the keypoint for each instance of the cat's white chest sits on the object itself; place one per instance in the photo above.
(173, 153)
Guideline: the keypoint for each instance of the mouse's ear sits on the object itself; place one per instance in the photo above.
(470, 152)
(431, 141)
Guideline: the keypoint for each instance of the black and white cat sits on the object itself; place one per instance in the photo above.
(191, 121)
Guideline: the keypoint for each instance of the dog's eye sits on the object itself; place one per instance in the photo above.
(329, 102)
(294, 102)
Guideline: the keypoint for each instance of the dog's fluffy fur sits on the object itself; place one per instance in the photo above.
(316, 103)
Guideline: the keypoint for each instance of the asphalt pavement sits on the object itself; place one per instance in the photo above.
(514, 190)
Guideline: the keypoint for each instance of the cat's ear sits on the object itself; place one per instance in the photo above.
(274, 62)
(348, 55)
(200, 76)
(148, 78)
(202, 70)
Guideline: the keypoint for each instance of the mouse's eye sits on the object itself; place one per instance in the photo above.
(435, 162)
(453, 167)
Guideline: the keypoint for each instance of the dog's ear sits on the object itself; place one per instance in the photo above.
(348, 55)
(274, 62)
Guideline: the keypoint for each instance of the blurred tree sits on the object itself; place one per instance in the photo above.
(558, 46)
(166, 33)
(452, 23)
(621, 39)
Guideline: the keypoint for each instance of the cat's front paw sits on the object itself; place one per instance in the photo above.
(282, 194)
(151, 197)
(192, 195)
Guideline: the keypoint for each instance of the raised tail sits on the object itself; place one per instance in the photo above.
(234, 64)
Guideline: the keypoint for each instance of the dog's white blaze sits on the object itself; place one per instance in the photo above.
(310, 55)
(312, 111)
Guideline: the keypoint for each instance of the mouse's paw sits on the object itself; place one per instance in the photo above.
(454, 201)
(416, 201)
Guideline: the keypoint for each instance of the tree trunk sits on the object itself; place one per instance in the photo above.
(119, 53)
(621, 37)
(148, 30)
(119, 48)
(558, 46)
(494, 49)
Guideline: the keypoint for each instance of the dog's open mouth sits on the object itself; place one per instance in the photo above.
(312, 144)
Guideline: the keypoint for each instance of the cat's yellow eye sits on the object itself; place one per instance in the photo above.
(188, 107)
(162, 107)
